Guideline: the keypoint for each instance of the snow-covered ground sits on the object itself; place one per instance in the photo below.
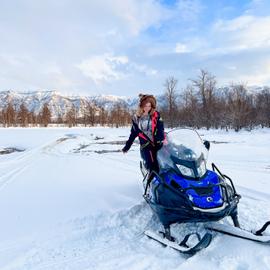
(71, 200)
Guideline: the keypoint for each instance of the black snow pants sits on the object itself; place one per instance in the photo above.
(149, 155)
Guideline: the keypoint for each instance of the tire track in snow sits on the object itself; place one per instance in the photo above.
(11, 175)
(53, 150)
(24, 161)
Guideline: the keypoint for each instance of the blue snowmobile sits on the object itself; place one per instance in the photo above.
(184, 190)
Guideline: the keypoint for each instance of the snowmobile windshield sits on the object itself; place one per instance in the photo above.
(184, 152)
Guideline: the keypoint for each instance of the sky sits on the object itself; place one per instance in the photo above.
(127, 47)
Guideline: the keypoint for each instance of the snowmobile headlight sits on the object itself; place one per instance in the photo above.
(185, 170)
(201, 169)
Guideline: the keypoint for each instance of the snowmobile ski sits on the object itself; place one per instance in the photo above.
(238, 232)
(182, 246)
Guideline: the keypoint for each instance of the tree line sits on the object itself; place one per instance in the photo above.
(90, 115)
(201, 104)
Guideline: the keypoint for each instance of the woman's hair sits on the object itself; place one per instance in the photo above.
(143, 99)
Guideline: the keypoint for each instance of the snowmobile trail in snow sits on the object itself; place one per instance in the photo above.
(21, 162)
(11, 175)
(11, 169)
(51, 148)
(61, 148)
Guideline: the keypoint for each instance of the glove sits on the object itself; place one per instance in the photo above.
(124, 149)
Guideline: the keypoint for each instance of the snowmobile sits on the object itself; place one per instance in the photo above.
(185, 191)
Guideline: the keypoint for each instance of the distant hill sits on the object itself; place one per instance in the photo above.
(60, 104)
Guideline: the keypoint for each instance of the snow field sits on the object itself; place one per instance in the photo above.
(65, 206)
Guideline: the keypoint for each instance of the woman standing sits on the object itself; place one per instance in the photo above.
(148, 125)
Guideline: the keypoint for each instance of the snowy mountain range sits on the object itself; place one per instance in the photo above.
(58, 103)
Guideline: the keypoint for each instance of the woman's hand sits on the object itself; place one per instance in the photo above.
(159, 145)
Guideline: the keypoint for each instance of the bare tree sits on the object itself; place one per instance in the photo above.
(2, 119)
(71, 116)
(120, 115)
(45, 115)
(239, 105)
(103, 116)
(91, 113)
(263, 107)
(32, 118)
(9, 115)
(189, 110)
(171, 96)
(23, 115)
(59, 119)
(205, 84)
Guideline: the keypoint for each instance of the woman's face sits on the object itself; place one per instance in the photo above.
(147, 107)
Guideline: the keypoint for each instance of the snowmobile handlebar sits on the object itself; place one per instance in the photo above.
(215, 169)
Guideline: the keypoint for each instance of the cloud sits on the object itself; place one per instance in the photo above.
(108, 67)
(64, 32)
(189, 10)
(143, 69)
(181, 48)
(248, 66)
(46, 75)
(139, 15)
(258, 7)
(103, 68)
(259, 75)
(116, 45)
(242, 33)
(130, 16)
(235, 24)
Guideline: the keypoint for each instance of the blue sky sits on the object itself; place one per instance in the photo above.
(127, 47)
